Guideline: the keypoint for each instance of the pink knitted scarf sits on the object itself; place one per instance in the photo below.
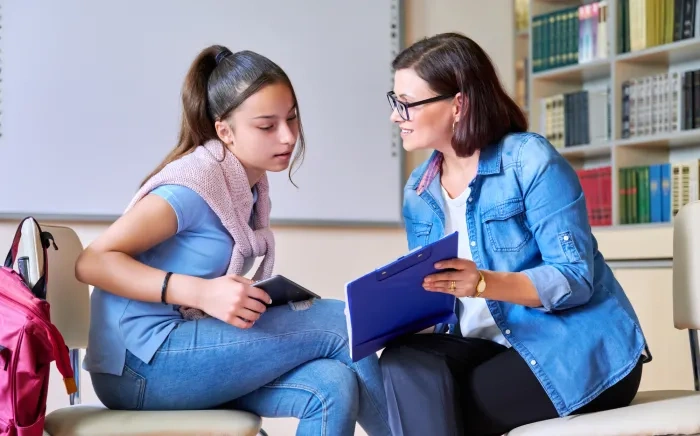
(213, 172)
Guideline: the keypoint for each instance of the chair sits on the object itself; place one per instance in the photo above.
(653, 412)
(70, 308)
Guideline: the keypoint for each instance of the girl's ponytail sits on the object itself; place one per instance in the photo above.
(196, 126)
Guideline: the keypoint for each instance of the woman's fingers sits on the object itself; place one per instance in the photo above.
(445, 286)
(444, 276)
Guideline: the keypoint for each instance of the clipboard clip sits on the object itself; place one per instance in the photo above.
(404, 262)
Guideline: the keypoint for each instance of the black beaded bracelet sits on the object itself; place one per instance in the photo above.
(164, 289)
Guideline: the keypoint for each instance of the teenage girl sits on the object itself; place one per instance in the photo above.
(174, 324)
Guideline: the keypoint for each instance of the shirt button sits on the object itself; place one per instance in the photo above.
(508, 331)
(470, 199)
(566, 238)
(533, 362)
(473, 244)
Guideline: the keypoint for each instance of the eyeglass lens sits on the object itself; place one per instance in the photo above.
(398, 107)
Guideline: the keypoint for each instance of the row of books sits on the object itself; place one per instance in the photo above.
(647, 193)
(576, 118)
(597, 189)
(655, 193)
(648, 23)
(661, 103)
(570, 36)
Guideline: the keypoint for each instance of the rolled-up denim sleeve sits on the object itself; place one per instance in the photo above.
(557, 216)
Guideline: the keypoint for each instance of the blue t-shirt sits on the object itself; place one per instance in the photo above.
(201, 247)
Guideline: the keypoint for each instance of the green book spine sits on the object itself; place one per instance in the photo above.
(643, 189)
(626, 28)
(621, 26)
(572, 37)
(535, 37)
(551, 38)
(540, 43)
(540, 38)
(556, 42)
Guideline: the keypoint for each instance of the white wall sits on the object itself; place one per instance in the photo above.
(325, 259)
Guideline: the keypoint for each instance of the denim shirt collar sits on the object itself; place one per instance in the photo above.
(489, 163)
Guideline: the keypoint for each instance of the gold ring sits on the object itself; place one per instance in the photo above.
(453, 286)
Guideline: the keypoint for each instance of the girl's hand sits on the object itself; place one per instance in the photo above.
(233, 300)
(460, 281)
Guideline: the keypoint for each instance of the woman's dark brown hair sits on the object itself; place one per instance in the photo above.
(452, 63)
(217, 82)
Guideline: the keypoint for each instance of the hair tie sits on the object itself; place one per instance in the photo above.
(223, 54)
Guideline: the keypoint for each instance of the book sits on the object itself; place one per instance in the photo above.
(390, 301)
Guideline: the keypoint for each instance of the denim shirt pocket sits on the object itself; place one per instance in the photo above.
(505, 225)
(417, 232)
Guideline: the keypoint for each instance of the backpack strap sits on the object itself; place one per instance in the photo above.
(39, 289)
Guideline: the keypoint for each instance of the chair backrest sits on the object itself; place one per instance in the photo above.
(686, 267)
(68, 297)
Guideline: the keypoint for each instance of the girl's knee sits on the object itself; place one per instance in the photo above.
(330, 305)
(337, 388)
(332, 312)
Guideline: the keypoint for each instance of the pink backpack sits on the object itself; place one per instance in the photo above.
(29, 342)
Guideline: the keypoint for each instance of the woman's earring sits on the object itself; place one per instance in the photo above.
(453, 125)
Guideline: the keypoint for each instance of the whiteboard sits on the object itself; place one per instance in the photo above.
(90, 96)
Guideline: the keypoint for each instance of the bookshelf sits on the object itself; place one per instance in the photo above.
(612, 84)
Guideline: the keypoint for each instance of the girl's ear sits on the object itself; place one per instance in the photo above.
(224, 132)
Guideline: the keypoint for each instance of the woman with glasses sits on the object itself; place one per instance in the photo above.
(545, 329)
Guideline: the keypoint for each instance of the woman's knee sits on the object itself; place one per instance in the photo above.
(398, 357)
(402, 361)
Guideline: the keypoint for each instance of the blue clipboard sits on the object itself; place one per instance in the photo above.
(390, 301)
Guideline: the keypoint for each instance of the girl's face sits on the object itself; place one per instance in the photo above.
(430, 124)
(263, 131)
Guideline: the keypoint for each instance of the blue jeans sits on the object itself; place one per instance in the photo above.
(291, 363)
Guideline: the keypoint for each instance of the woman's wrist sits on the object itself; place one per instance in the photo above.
(183, 290)
(513, 287)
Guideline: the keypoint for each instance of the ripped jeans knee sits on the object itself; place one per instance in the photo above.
(301, 305)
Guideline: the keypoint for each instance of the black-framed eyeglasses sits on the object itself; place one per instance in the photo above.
(402, 107)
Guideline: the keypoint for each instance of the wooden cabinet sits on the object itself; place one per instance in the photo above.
(650, 292)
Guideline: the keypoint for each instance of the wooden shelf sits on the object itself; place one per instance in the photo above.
(680, 139)
(675, 52)
(577, 72)
(586, 151)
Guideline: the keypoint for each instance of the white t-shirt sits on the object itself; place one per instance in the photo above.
(475, 319)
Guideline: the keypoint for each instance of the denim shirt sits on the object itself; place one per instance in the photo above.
(527, 213)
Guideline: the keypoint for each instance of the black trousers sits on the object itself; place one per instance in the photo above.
(446, 385)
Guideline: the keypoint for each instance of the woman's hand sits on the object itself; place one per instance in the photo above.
(233, 300)
(460, 281)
